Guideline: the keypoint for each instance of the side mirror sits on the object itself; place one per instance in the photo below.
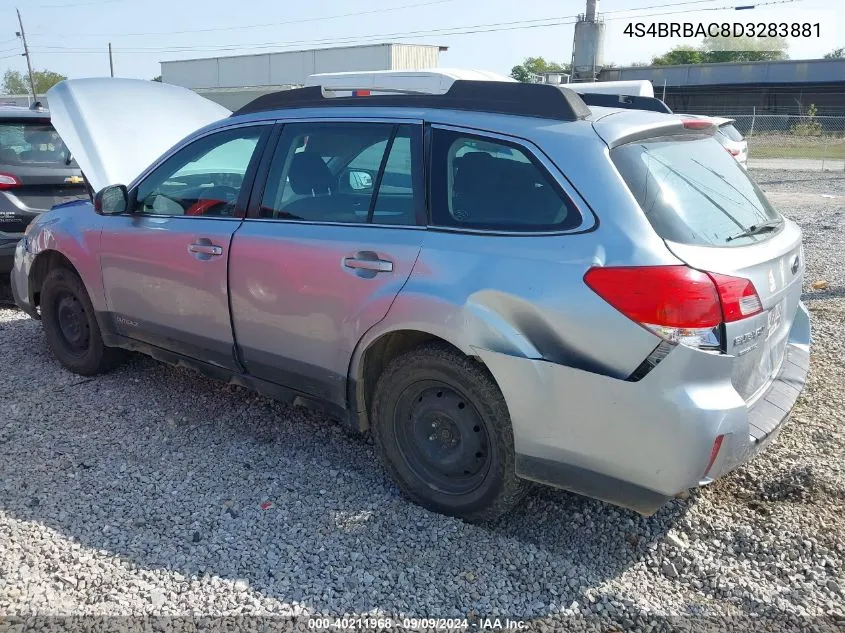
(360, 180)
(111, 200)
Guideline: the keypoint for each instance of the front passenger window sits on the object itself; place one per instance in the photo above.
(202, 179)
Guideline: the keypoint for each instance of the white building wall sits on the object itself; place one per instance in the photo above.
(411, 57)
(197, 73)
(292, 68)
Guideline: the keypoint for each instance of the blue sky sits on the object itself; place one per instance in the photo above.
(71, 36)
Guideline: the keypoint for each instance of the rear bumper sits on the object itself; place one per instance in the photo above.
(637, 444)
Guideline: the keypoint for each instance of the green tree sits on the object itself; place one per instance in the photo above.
(744, 49)
(16, 82)
(837, 53)
(532, 66)
(156, 78)
(678, 55)
(726, 49)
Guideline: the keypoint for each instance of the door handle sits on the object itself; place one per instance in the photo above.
(375, 265)
(205, 249)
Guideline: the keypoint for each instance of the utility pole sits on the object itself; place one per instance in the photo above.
(22, 35)
(111, 62)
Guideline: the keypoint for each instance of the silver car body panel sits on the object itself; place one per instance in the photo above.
(116, 127)
(563, 357)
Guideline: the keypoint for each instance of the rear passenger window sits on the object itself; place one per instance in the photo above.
(482, 183)
(345, 172)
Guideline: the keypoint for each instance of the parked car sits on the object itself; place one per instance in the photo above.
(727, 134)
(36, 172)
(499, 282)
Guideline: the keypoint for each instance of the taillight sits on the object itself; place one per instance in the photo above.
(738, 296)
(678, 303)
(7, 181)
(732, 151)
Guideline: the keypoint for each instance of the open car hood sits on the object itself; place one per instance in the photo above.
(115, 128)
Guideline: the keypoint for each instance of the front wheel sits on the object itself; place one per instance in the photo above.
(442, 428)
(70, 326)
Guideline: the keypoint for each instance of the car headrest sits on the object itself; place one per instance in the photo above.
(309, 174)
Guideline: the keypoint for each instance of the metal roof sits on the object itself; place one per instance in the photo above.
(791, 71)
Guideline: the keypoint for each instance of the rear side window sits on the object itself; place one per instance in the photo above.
(33, 144)
(730, 131)
(485, 183)
(692, 191)
(351, 172)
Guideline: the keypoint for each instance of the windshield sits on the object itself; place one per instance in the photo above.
(692, 191)
(32, 143)
(730, 131)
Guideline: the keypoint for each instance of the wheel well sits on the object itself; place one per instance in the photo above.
(377, 357)
(43, 264)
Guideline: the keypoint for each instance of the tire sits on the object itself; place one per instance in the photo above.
(442, 430)
(71, 328)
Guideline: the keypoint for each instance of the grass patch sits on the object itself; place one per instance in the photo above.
(788, 146)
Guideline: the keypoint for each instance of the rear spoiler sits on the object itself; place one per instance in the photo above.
(628, 102)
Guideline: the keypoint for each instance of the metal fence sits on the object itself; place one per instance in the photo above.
(790, 141)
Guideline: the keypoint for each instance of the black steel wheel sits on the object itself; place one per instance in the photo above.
(442, 437)
(70, 325)
(443, 431)
(74, 329)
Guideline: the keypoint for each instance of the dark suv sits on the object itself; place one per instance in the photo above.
(36, 172)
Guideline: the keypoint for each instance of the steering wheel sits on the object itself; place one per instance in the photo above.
(219, 200)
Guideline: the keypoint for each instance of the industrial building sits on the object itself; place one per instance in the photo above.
(779, 87)
(233, 81)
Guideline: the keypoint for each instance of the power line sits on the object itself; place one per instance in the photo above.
(465, 30)
(263, 25)
(344, 15)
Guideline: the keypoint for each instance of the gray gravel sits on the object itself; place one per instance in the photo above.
(152, 490)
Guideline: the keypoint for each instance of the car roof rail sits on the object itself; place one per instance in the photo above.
(536, 100)
(627, 102)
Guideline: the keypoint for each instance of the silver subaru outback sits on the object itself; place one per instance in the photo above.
(501, 283)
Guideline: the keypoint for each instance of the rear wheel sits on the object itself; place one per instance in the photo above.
(443, 431)
(70, 325)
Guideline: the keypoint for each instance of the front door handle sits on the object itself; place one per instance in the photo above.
(365, 263)
(204, 248)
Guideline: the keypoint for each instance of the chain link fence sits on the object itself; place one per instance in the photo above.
(789, 141)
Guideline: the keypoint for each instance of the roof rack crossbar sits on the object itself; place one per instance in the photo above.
(627, 102)
(536, 100)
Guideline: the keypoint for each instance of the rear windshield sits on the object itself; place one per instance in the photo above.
(32, 144)
(692, 191)
(730, 131)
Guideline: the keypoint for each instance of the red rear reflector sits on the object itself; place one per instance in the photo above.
(360, 93)
(671, 296)
(714, 453)
(7, 181)
(697, 124)
(738, 296)
(732, 152)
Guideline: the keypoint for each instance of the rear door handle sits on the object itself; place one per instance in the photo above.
(375, 265)
(205, 248)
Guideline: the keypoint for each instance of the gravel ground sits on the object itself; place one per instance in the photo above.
(153, 491)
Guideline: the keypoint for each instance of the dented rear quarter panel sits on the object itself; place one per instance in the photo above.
(524, 295)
